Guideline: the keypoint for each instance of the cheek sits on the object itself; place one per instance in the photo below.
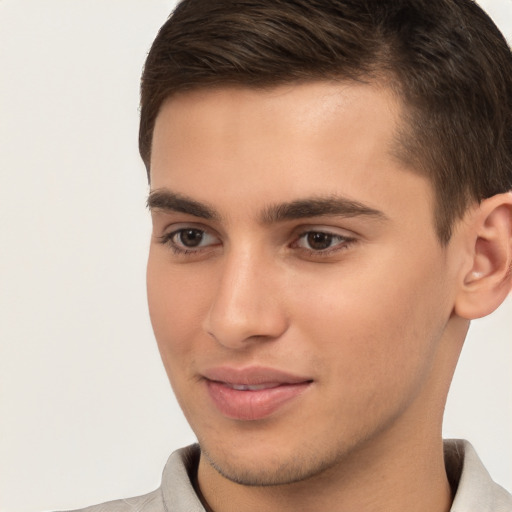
(176, 307)
(379, 327)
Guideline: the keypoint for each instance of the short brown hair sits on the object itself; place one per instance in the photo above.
(446, 60)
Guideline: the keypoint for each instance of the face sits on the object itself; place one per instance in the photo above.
(298, 293)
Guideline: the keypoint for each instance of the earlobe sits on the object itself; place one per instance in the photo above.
(486, 285)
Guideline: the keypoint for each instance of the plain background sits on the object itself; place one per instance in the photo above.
(86, 413)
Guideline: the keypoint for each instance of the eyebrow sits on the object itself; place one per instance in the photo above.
(166, 200)
(319, 207)
(170, 201)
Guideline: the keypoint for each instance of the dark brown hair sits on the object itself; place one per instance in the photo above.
(445, 59)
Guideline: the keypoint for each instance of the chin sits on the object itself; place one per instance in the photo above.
(278, 465)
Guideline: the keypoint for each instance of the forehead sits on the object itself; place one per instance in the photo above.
(240, 146)
(237, 117)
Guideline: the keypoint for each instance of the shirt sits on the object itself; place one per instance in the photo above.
(476, 491)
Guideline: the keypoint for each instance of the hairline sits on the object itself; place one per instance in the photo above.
(404, 134)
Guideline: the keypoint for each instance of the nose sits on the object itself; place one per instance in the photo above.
(246, 305)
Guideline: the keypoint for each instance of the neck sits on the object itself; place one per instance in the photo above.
(401, 468)
(411, 476)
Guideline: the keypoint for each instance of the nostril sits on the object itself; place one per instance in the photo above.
(240, 333)
(212, 335)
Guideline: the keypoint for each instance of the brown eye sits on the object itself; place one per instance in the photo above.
(319, 241)
(190, 237)
(190, 240)
(322, 242)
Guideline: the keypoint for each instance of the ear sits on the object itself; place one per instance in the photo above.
(486, 285)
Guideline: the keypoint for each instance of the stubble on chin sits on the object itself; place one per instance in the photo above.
(276, 471)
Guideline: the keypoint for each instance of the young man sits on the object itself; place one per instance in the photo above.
(330, 195)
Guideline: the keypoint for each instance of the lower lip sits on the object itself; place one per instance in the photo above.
(252, 405)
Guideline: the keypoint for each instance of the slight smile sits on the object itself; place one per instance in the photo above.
(253, 393)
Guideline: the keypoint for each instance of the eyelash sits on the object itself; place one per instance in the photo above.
(344, 243)
(167, 239)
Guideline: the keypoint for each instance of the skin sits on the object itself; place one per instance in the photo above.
(371, 320)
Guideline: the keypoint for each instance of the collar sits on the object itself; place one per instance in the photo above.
(476, 491)
(474, 488)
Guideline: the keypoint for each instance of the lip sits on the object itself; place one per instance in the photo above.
(252, 393)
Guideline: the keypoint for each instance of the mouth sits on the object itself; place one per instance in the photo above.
(246, 387)
(253, 393)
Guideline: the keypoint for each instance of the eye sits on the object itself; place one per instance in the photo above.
(189, 239)
(322, 241)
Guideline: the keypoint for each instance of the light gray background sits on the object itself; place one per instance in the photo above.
(86, 413)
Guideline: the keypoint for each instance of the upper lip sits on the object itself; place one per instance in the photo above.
(252, 376)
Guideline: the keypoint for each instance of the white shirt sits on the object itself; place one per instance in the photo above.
(476, 491)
